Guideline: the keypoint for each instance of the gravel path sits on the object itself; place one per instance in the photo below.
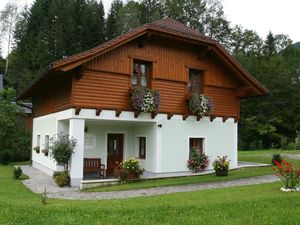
(38, 181)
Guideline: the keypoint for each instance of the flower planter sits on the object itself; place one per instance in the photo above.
(222, 173)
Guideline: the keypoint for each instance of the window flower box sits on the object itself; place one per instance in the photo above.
(37, 149)
(144, 99)
(200, 105)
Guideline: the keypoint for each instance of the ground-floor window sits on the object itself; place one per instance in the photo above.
(142, 147)
(197, 144)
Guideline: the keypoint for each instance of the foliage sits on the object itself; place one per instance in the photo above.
(14, 136)
(45, 151)
(197, 160)
(288, 174)
(17, 172)
(200, 105)
(144, 99)
(63, 179)
(51, 30)
(276, 157)
(128, 169)
(62, 148)
(221, 163)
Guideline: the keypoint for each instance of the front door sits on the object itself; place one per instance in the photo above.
(114, 151)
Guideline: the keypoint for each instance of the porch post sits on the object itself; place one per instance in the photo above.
(157, 148)
(76, 131)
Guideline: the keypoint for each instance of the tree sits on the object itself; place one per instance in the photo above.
(14, 137)
(150, 10)
(61, 149)
(8, 18)
(113, 21)
(206, 16)
(51, 30)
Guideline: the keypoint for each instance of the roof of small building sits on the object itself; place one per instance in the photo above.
(167, 26)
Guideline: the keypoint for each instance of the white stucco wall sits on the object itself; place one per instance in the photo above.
(43, 127)
(219, 139)
(167, 145)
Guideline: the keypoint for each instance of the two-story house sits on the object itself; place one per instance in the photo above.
(87, 96)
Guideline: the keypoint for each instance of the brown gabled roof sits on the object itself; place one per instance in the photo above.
(166, 26)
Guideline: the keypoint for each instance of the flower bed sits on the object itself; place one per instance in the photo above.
(197, 161)
(144, 99)
(200, 105)
(128, 169)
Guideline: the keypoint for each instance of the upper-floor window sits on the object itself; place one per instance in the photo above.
(195, 84)
(141, 73)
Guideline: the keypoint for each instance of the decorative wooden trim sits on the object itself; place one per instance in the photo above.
(80, 71)
(106, 71)
(202, 52)
(170, 115)
(153, 115)
(136, 114)
(196, 67)
(77, 111)
(211, 118)
(168, 80)
(142, 58)
(144, 40)
(225, 118)
(185, 116)
(118, 112)
(98, 111)
(199, 118)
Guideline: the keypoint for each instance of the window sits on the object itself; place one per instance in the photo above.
(195, 85)
(46, 141)
(38, 140)
(142, 147)
(141, 74)
(197, 144)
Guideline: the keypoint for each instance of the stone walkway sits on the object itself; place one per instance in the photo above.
(38, 181)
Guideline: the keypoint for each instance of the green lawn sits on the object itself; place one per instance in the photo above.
(257, 204)
(265, 156)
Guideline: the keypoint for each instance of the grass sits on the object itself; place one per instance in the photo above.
(256, 204)
(265, 156)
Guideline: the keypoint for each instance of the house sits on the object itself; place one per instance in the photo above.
(87, 96)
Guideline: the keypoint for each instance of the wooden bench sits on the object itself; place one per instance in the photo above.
(93, 165)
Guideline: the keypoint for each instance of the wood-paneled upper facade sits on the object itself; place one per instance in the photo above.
(164, 55)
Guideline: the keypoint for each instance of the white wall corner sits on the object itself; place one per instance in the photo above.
(76, 131)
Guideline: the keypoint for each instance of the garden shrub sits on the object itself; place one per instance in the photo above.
(276, 157)
(17, 172)
(62, 179)
(6, 157)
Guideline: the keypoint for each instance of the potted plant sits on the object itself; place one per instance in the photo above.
(144, 99)
(197, 161)
(128, 169)
(45, 151)
(221, 166)
(200, 105)
(37, 149)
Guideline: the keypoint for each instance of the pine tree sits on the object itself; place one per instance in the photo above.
(113, 25)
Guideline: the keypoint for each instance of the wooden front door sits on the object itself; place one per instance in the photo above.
(114, 151)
